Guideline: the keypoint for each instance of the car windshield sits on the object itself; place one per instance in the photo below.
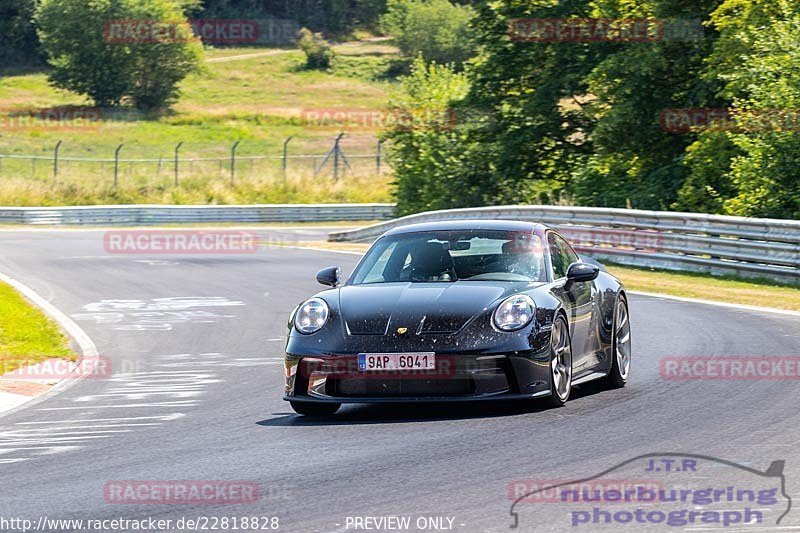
(449, 256)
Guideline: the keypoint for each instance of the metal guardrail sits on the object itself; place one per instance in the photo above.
(714, 244)
(140, 215)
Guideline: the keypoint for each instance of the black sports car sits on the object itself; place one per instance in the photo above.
(455, 311)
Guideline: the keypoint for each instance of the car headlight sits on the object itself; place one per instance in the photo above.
(311, 316)
(514, 313)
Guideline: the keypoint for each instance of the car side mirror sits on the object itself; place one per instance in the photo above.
(330, 276)
(582, 272)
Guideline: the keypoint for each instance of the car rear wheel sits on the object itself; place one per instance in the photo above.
(621, 344)
(315, 409)
(560, 363)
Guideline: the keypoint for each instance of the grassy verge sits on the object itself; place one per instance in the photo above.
(27, 336)
(704, 287)
(198, 225)
(687, 285)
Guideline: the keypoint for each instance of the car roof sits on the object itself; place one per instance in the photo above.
(471, 224)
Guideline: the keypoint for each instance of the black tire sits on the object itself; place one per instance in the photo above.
(315, 409)
(560, 350)
(620, 365)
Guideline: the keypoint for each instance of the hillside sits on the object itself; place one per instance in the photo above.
(257, 96)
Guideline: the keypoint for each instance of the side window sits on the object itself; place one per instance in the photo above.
(561, 255)
(567, 251)
(559, 268)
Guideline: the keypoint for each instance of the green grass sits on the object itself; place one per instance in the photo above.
(27, 336)
(256, 96)
(757, 292)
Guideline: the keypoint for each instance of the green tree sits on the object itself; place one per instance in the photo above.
(536, 94)
(755, 60)
(436, 29)
(635, 161)
(430, 153)
(89, 58)
(580, 121)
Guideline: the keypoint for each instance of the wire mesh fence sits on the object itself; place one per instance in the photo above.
(175, 167)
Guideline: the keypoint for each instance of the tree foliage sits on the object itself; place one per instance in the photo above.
(438, 30)
(427, 143)
(17, 34)
(756, 59)
(581, 122)
(85, 60)
(333, 17)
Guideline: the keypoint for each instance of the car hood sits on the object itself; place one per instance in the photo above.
(423, 308)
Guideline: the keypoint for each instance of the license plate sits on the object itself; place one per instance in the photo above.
(371, 362)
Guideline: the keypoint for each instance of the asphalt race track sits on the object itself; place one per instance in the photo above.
(196, 346)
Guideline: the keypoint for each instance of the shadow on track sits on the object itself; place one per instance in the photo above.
(403, 413)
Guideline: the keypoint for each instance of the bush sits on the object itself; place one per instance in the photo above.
(433, 165)
(319, 53)
(87, 58)
(435, 29)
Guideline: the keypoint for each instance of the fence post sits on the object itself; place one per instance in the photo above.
(285, 156)
(116, 165)
(55, 160)
(336, 153)
(177, 149)
(233, 161)
(379, 157)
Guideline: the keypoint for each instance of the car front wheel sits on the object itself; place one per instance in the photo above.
(560, 363)
(621, 344)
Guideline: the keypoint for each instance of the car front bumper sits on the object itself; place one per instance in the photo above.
(457, 377)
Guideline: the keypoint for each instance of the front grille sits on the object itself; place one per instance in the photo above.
(401, 387)
(455, 375)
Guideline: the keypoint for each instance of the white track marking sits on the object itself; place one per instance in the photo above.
(182, 387)
(156, 262)
(60, 431)
(182, 403)
(162, 304)
(108, 426)
(157, 314)
(173, 416)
